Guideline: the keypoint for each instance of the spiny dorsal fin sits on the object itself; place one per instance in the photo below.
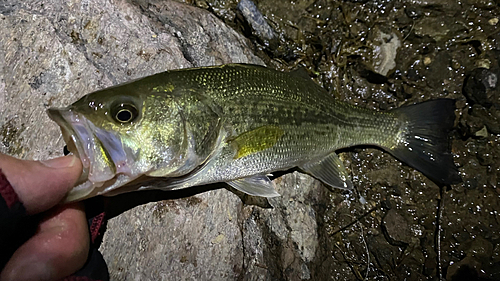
(300, 72)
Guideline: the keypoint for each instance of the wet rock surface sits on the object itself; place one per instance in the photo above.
(396, 225)
(52, 53)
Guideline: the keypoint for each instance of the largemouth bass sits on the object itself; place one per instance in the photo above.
(236, 124)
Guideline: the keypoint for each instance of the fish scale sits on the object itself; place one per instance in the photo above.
(310, 109)
(319, 124)
(235, 124)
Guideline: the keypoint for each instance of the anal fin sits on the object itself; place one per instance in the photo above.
(329, 170)
(258, 185)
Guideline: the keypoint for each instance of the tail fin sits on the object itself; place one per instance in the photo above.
(426, 145)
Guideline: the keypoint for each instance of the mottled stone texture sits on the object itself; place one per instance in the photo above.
(53, 52)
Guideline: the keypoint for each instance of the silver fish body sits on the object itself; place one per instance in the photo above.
(235, 124)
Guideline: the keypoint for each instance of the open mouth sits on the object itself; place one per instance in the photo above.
(101, 153)
(75, 134)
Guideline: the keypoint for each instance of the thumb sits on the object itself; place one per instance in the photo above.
(40, 185)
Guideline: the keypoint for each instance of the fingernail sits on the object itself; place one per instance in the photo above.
(61, 162)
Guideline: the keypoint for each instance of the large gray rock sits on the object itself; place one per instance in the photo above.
(53, 52)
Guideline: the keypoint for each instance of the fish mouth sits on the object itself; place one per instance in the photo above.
(100, 151)
(70, 124)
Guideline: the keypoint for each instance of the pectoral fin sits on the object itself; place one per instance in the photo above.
(255, 185)
(329, 170)
(256, 140)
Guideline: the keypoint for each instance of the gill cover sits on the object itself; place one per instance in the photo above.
(201, 123)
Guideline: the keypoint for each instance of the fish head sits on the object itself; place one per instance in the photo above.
(122, 133)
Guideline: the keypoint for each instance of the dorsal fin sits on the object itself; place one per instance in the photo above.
(301, 72)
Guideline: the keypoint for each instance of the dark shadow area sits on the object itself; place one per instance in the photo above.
(116, 205)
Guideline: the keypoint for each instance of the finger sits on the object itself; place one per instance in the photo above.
(41, 185)
(58, 249)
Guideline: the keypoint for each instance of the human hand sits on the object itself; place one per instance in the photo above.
(60, 244)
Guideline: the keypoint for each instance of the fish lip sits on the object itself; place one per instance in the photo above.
(88, 142)
(68, 120)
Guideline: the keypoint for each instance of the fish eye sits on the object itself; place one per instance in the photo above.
(124, 113)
